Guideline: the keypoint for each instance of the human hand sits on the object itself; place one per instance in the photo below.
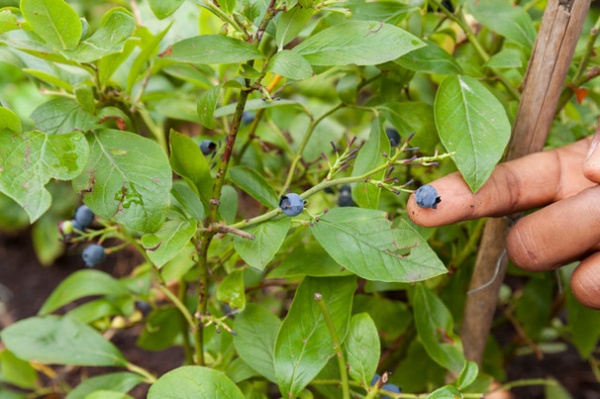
(564, 182)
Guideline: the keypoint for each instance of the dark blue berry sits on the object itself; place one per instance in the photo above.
(84, 216)
(207, 147)
(143, 307)
(247, 117)
(94, 255)
(345, 198)
(393, 136)
(427, 197)
(291, 204)
(77, 225)
(448, 5)
(388, 387)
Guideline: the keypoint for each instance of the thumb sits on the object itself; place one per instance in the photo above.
(591, 165)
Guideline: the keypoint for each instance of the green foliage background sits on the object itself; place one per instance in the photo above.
(106, 102)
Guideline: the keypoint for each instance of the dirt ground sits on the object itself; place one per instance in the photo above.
(28, 285)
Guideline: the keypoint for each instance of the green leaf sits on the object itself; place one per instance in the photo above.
(364, 242)
(537, 294)
(366, 195)
(9, 120)
(96, 309)
(106, 394)
(290, 24)
(389, 12)
(60, 340)
(556, 391)
(127, 179)
(53, 20)
(116, 26)
(413, 116)
(162, 327)
(506, 58)
(468, 375)
(508, 20)
(357, 42)
(118, 382)
(46, 239)
(81, 284)
(8, 21)
(213, 49)
(164, 8)
(430, 59)
(256, 331)
(255, 185)
(584, 325)
(29, 160)
(49, 78)
(308, 259)
(207, 104)
(85, 97)
(227, 5)
(16, 372)
(229, 204)
(231, 290)
(268, 238)
(188, 199)
(304, 344)
(436, 330)
(165, 244)
(194, 382)
(473, 124)
(290, 65)
(149, 50)
(447, 392)
(188, 161)
(255, 105)
(362, 348)
(62, 115)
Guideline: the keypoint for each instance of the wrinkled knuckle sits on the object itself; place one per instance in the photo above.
(522, 248)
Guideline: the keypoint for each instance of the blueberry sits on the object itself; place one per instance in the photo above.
(84, 216)
(76, 225)
(448, 5)
(94, 255)
(291, 204)
(388, 387)
(143, 307)
(427, 197)
(207, 147)
(345, 198)
(393, 135)
(247, 117)
(391, 388)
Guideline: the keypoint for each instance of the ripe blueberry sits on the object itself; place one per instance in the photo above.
(345, 198)
(388, 387)
(427, 197)
(393, 136)
(207, 147)
(84, 216)
(77, 225)
(247, 117)
(291, 204)
(94, 255)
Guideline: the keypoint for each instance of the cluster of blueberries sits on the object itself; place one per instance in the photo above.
(93, 254)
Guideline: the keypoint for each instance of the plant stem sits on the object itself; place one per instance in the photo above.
(150, 378)
(337, 345)
(226, 18)
(307, 134)
(202, 296)
(185, 330)
(182, 308)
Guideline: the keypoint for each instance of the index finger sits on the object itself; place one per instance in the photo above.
(525, 183)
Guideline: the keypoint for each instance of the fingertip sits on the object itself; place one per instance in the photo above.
(585, 282)
(522, 248)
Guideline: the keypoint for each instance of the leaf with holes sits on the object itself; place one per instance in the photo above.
(29, 160)
(127, 179)
(364, 242)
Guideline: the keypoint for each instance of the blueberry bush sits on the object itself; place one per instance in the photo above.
(258, 156)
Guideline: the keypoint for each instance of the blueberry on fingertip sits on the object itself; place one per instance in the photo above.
(427, 197)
